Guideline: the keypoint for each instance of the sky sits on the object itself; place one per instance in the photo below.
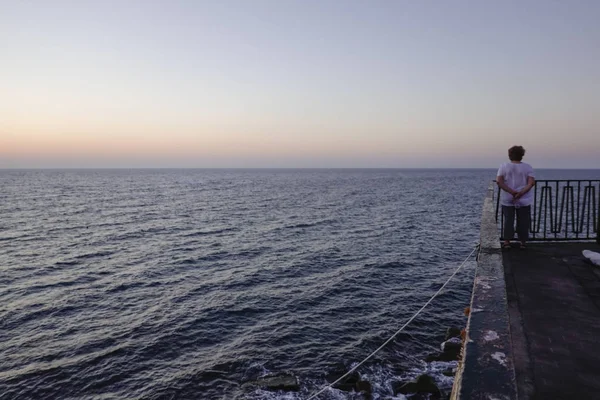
(284, 83)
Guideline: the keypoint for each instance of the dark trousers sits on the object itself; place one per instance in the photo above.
(523, 222)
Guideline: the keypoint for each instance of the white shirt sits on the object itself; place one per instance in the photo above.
(515, 177)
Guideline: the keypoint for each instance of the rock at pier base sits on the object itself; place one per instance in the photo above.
(286, 382)
(452, 332)
(452, 345)
(450, 351)
(424, 384)
(354, 383)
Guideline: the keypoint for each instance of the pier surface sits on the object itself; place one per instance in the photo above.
(554, 308)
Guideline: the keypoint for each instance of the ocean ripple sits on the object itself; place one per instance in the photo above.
(162, 284)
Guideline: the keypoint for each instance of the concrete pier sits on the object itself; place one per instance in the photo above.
(534, 327)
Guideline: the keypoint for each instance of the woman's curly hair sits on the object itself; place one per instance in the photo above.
(516, 153)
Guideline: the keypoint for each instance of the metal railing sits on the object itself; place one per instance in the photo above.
(561, 210)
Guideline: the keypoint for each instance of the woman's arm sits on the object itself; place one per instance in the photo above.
(502, 185)
(530, 184)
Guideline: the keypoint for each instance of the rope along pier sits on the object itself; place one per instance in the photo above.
(313, 396)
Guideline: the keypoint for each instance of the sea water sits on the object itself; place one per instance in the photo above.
(190, 284)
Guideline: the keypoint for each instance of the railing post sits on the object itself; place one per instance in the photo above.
(598, 218)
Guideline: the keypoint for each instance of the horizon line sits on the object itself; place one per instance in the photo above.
(269, 168)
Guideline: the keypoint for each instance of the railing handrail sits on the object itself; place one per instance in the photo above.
(562, 209)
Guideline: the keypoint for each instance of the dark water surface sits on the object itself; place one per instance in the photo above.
(188, 284)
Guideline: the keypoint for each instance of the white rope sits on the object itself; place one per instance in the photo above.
(398, 331)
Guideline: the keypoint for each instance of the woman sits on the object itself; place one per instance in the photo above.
(515, 179)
